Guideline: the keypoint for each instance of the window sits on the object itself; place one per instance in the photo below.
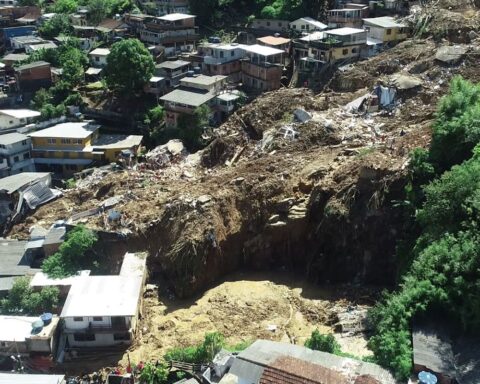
(232, 53)
(303, 26)
(97, 58)
(66, 141)
(4, 344)
(279, 24)
(26, 156)
(51, 141)
(97, 318)
(121, 336)
(389, 31)
(354, 50)
(268, 23)
(11, 122)
(78, 319)
(345, 52)
(16, 159)
(24, 142)
(84, 336)
(294, 26)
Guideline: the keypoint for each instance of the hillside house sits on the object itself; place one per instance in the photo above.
(98, 57)
(165, 7)
(262, 67)
(33, 76)
(14, 118)
(15, 151)
(193, 92)
(351, 16)
(109, 29)
(385, 29)
(16, 334)
(19, 43)
(30, 48)
(175, 32)
(198, 90)
(173, 71)
(342, 44)
(269, 26)
(9, 32)
(307, 24)
(222, 59)
(275, 42)
(68, 147)
(135, 21)
(110, 319)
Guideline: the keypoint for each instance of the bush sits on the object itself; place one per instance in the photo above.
(72, 255)
(22, 299)
(324, 343)
(202, 353)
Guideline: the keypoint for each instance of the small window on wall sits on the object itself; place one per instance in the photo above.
(97, 318)
(121, 336)
(78, 319)
(345, 52)
(84, 336)
(389, 31)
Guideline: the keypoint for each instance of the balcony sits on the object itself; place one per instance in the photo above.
(99, 328)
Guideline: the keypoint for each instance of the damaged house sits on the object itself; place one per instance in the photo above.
(22, 192)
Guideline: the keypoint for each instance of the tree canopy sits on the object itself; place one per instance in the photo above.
(324, 343)
(129, 67)
(73, 254)
(444, 273)
(22, 299)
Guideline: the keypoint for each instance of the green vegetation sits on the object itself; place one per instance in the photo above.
(69, 56)
(74, 254)
(22, 299)
(191, 127)
(201, 353)
(57, 25)
(154, 374)
(324, 343)
(129, 67)
(250, 9)
(444, 263)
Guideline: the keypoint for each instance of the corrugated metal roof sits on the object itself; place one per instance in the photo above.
(12, 138)
(35, 64)
(384, 22)
(12, 260)
(194, 99)
(13, 183)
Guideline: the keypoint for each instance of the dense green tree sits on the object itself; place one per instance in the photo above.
(324, 343)
(65, 6)
(58, 24)
(191, 127)
(23, 299)
(154, 374)
(202, 353)
(72, 254)
(444, 273)
(129, 67)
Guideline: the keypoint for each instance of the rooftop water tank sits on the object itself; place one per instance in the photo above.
(46, 318)
(427, 378)
(190, 73)
(37, 327)
(197, 70)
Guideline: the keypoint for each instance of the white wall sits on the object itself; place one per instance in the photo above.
(71, 324)
(10, 122)
(376, 32)
(98, 61)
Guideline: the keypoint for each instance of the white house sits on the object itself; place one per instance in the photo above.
(307, 24)
(102, 310)
(16, 334)
(14, 118)
(19, 378)
(16, 150)
(98, 57)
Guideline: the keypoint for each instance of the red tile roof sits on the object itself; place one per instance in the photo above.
(289, 370)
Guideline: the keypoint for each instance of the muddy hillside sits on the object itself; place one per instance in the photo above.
(294, 180)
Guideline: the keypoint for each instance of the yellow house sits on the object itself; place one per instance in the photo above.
(385, 29)
(342, 44)
(70, 147)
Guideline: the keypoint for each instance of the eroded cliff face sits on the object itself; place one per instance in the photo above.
(331, 224)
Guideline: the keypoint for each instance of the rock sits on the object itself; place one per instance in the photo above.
(406, 82)
(451, 54)
(204, 199)
(238, 180)
(302, 115)
(284, 205)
